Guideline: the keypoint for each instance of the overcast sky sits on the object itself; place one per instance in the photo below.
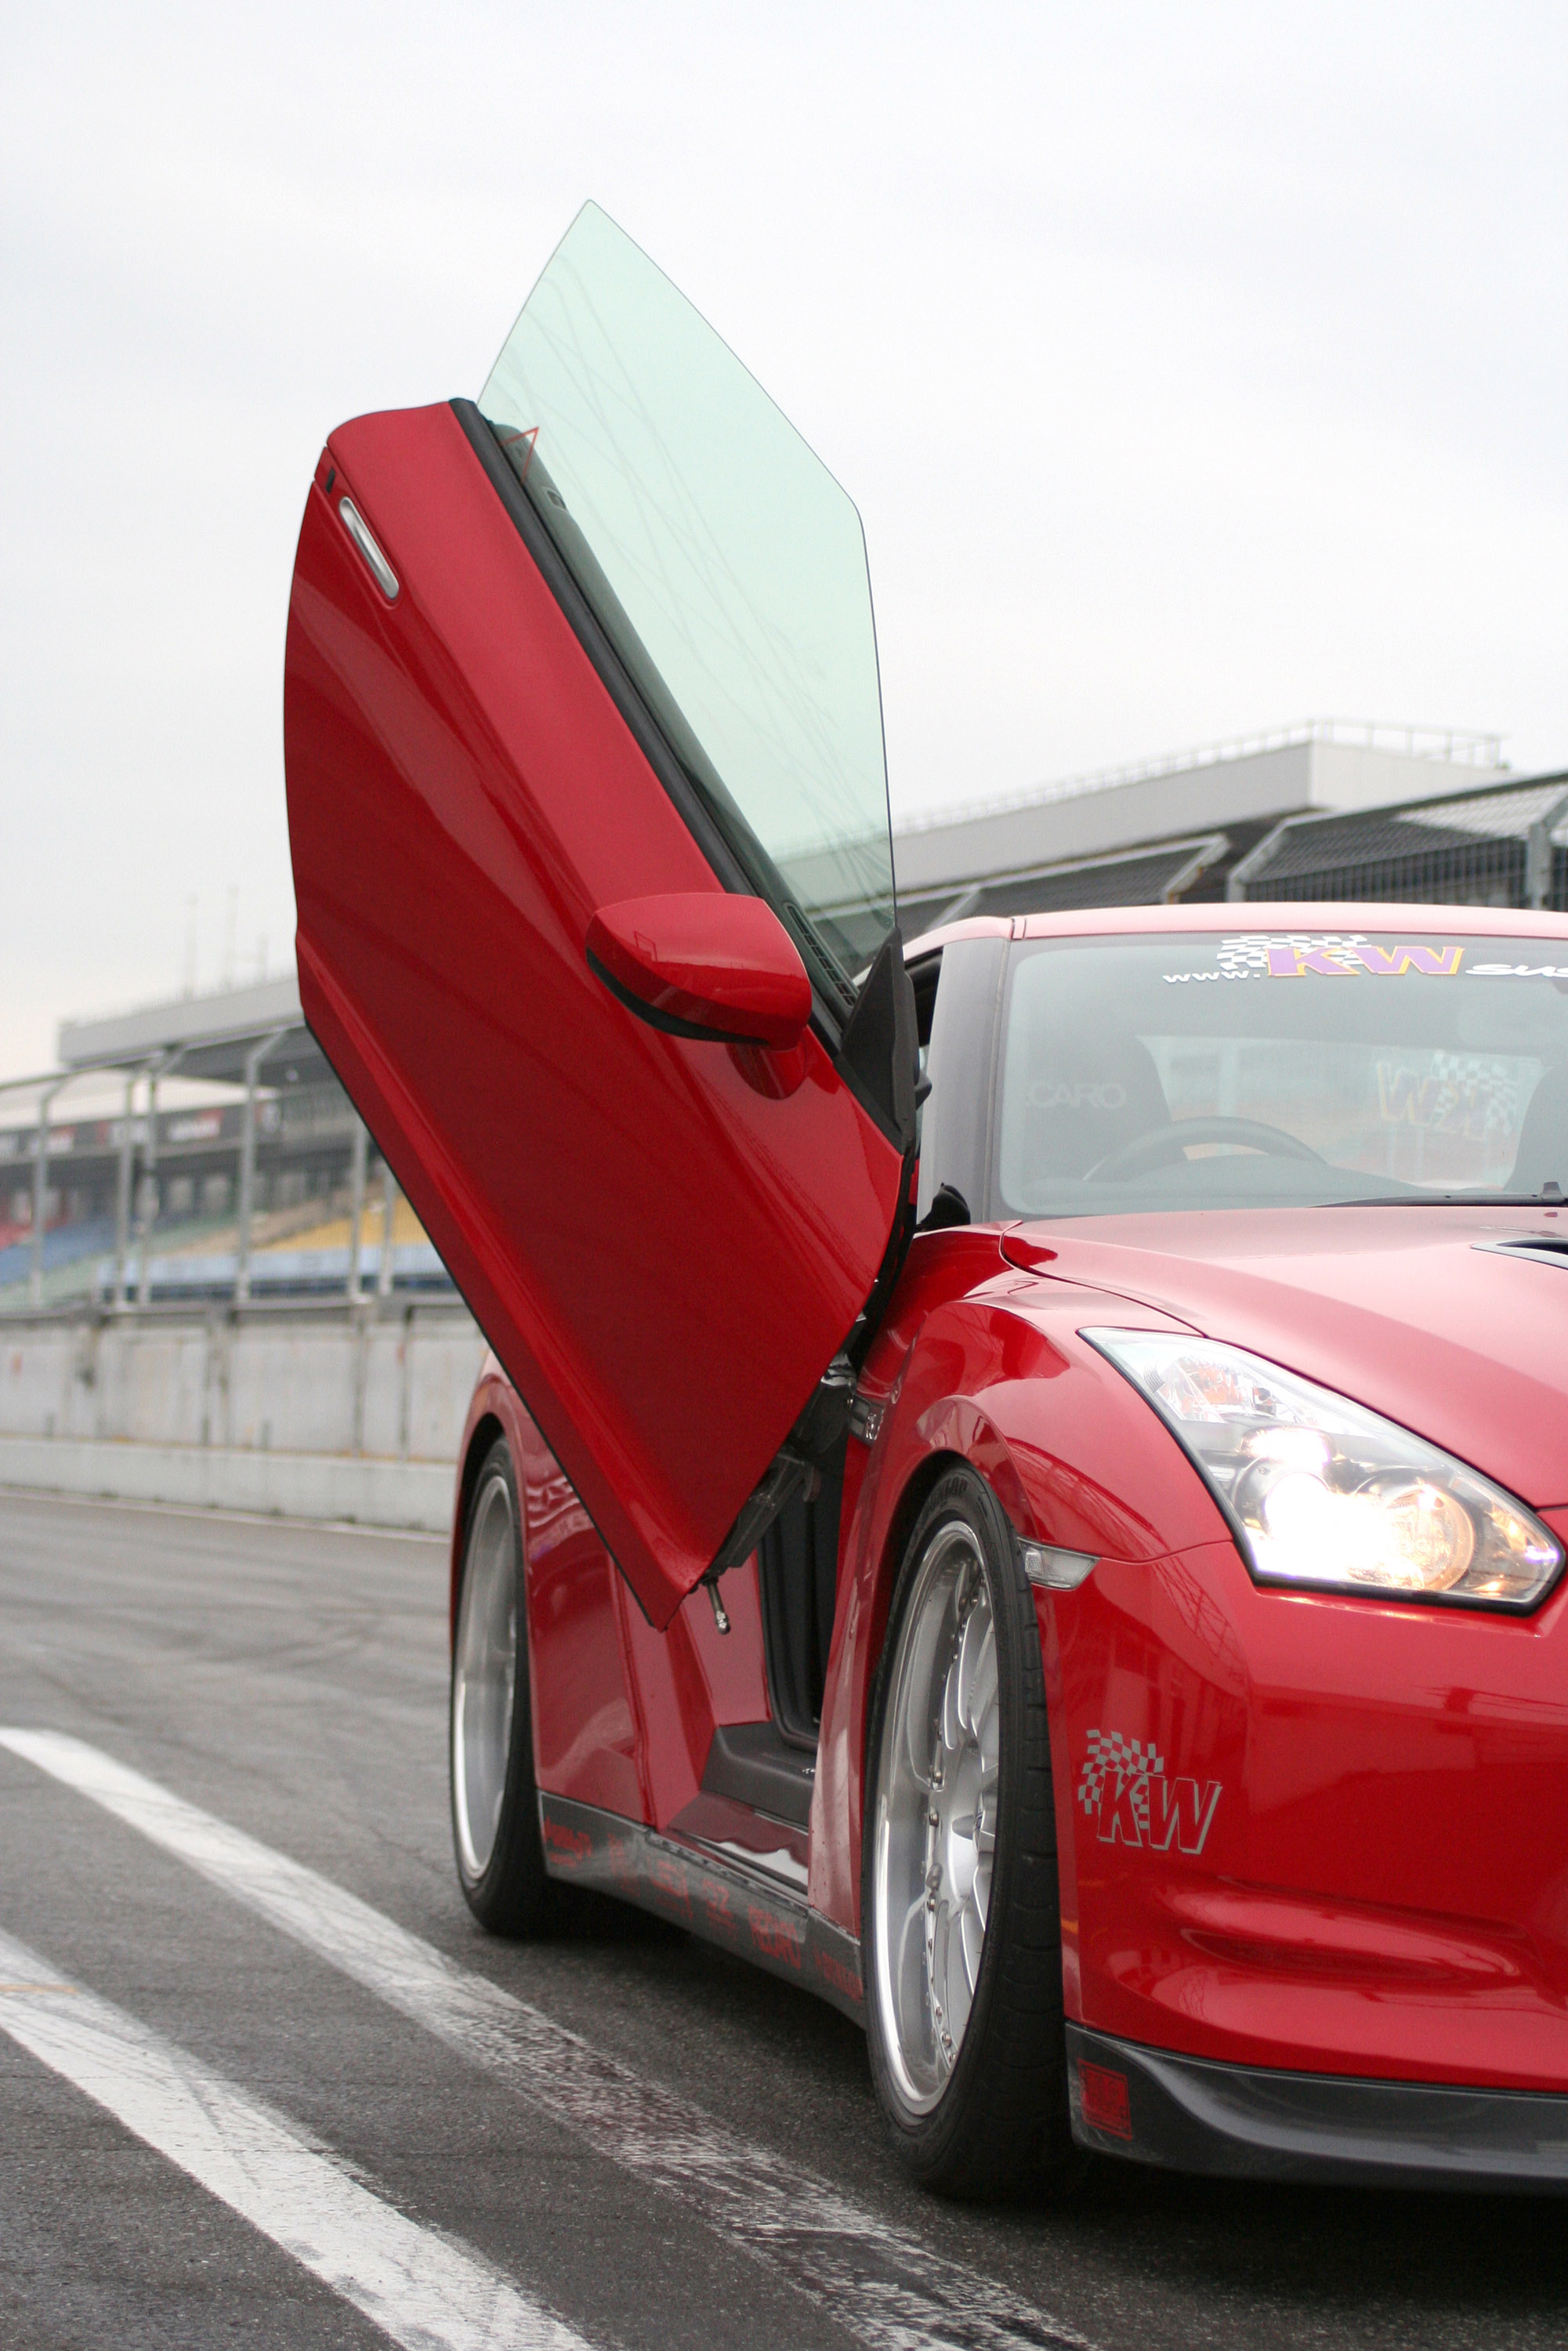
(1195, 368)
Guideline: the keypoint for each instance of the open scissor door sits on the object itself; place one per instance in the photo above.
(605, 636)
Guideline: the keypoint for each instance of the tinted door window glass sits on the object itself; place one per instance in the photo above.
(727, 567)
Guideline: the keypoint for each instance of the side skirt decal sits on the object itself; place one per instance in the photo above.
(585, 1846)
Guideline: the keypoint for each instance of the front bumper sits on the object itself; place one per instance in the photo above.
(1191, 2114)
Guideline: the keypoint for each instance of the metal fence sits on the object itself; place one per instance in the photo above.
(1504, 846)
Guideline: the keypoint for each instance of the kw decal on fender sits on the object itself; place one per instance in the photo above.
(1124, 1791)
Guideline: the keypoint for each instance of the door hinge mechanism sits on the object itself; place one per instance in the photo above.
(795, 1469)
(827, 1415)
(865, 1420)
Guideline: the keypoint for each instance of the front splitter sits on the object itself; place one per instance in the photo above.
(1248, 2122)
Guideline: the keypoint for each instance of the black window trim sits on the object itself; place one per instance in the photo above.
(829, 1019)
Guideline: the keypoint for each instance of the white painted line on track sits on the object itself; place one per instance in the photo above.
(875, 2281)
(416, 2286)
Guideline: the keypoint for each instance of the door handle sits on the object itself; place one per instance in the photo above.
(359, 531)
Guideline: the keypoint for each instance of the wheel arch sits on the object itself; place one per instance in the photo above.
(953, 1433)
(922, 1476)
(482, 1434)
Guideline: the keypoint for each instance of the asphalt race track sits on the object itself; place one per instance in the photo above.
(264, 2082)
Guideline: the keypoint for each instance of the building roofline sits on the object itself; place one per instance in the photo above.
(227, 1015)
(1459, 746)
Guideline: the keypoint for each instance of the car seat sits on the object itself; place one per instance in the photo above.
(1542, 1155)
(1087, 1096)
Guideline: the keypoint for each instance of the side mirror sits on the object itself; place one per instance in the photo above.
(705, 963)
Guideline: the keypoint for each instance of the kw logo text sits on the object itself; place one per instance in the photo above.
(1124, 1791)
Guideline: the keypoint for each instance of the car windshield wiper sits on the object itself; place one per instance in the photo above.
(1551, 1197)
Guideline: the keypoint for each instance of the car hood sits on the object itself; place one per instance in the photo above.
(1404, 1309)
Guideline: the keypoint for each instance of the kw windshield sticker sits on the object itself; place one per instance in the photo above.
(1328, 954)
(1516, 971)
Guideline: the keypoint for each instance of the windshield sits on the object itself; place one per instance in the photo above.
(1205, 1070)
(728, 567)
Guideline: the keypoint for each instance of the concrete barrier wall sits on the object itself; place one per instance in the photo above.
(199, 1403)
(416, 1496)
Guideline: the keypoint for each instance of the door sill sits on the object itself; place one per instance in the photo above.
(757, 1843)
(752, 1763)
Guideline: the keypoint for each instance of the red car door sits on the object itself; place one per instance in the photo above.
(569, 672)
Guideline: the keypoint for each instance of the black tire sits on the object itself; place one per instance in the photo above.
(990, 2119)
(490, 1743)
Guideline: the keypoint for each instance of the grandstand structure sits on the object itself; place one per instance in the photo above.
(197, 1150)
(202, 1150)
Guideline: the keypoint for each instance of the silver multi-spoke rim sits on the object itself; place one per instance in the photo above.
(484, 1678)
(936, 1816)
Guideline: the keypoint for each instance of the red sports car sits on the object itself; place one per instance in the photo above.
(1023, 1478)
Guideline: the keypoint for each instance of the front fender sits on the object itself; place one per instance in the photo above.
(995, 1376)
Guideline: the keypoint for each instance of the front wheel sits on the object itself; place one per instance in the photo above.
(960, 1912)
(495, 1800)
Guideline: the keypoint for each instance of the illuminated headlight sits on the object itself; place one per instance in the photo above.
(1322, 1492)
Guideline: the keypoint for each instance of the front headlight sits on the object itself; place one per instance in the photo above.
(1322, 1492)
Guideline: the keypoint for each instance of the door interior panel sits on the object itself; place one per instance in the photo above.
(797, 1562)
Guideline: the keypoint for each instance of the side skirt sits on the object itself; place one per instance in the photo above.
(716, 1899)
